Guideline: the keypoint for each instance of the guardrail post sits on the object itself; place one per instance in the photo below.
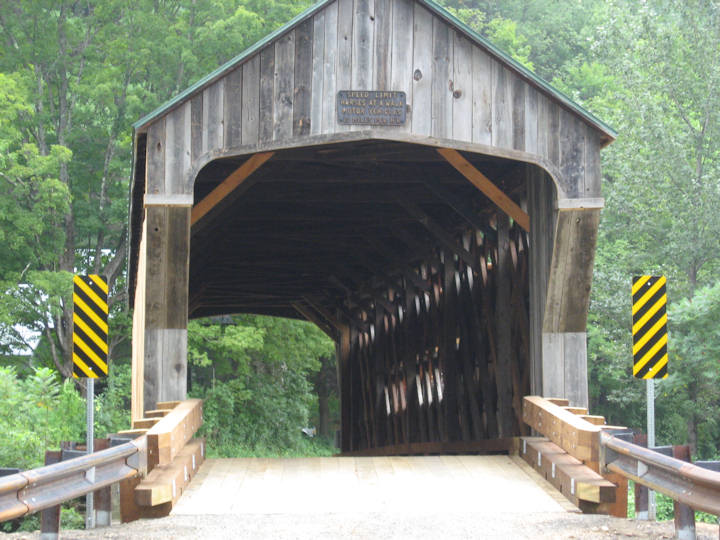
(50, 517)
(103, 497)
(641, 492)
(684, 515)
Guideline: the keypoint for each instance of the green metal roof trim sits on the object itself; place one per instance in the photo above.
(429, 4)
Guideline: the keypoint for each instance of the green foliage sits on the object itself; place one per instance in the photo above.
(254, 374)
(40, 410)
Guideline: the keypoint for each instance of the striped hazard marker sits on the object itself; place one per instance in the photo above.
(649, 330)
(90, 327)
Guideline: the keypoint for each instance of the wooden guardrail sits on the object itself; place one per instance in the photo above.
(596, 447)
(147, 464)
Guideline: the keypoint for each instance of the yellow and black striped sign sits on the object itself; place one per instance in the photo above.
(649, 317)
(90, 327)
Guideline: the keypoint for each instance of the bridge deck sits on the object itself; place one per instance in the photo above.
(490, 484)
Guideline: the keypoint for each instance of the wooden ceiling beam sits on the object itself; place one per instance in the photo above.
(483, 183)
(318, 321)
(229, 185)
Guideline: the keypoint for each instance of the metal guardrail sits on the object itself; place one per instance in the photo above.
(695, 486)
(37, 489)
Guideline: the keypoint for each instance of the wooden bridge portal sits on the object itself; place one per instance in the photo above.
(378, 169)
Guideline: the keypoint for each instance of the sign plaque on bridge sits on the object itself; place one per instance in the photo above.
(371, 107)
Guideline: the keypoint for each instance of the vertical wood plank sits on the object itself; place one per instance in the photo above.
(518, 113)
(442, 80)
(401, 52)
(462, 88)
(503, 333)
(572, 154)
(137, 409)
(593, 176)
(233, 108)
(421, 113)
(502, 135)
(383, 44)
(363, 37)
(318, 70)
(155, 302)
(213, 116)
(284, 87)
(196, 117)
(553, 132)
(302, 94)
(482, 71)
(531, 120)
(251, 101)
(266, 117)
(155, 165)
(329, 104)
(344, 60)
(543, 129)
(177, 148)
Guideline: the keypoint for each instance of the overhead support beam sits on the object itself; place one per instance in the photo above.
(483, 183)
(308, 313)
(461, 207)
(229, 186)
(439, 233)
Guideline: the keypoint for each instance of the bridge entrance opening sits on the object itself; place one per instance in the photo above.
(444, 240)
(419, 277)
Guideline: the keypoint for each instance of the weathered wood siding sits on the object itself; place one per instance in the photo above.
(455, 91)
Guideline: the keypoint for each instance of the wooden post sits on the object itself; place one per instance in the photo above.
(50, 517)
(503, 321)
(684, 515)
(165, 291)
(343, 357)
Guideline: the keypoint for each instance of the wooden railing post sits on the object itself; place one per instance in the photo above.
(641, 492)
(684, 515)
(50, 517)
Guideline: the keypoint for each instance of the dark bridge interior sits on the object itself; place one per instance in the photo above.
(418, 276)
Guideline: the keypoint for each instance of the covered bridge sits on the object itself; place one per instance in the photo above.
(379, 169)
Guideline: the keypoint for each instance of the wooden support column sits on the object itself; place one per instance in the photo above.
(564, 348)
(163, 290)
(343, 363)
(503, 328)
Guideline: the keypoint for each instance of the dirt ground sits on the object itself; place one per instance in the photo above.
(337, 526)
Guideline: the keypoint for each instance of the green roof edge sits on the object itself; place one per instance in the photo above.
(429, 4)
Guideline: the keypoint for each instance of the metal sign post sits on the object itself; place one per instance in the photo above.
(90, 443)
(651, 439)
(90, 356)
(650, 353)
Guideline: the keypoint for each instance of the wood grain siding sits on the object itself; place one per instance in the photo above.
(462, 88)
(212, 130)
(196, 122)
(541, 207)
(155, 167)
(344, 59)
(401, 57)
(383, 35)
(455, 90)
(442, 58)
(304, 73)
(502, 128)
(251, 101)
(232, 108)
(284, 84)
(572, 155)
(482, 97)
(421, 113)
(267, 95)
